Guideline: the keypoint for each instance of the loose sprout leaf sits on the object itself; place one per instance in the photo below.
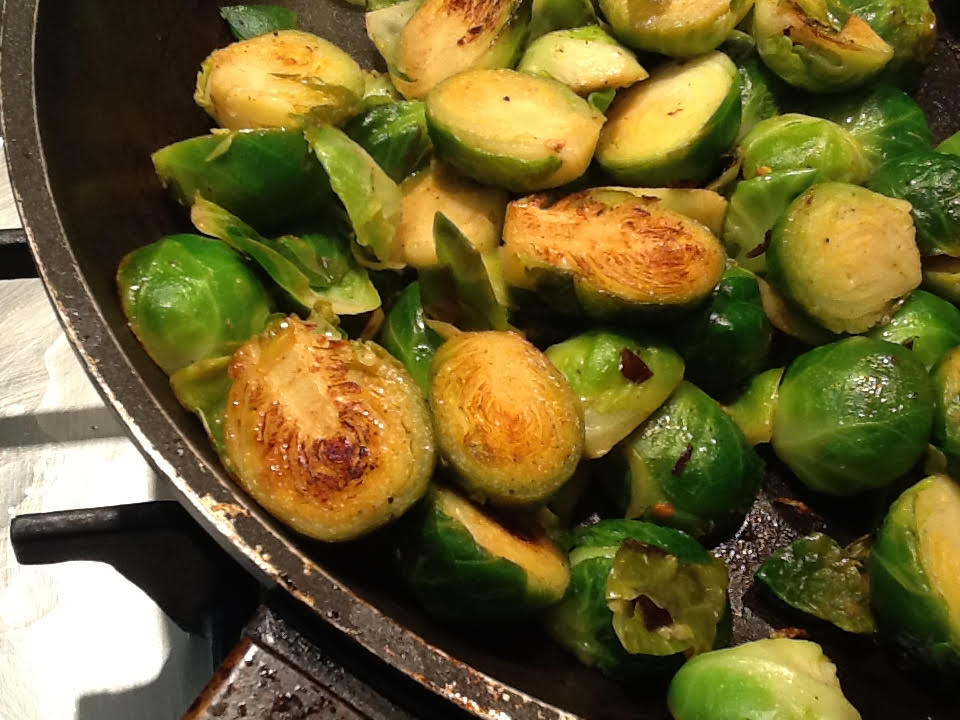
(662, 606)
(816, 576)
(247, 21)
(371, 198)
(601, 99)
(950, 146)
(202, 389)
(408, 338)
(320, 257)
(395, 136)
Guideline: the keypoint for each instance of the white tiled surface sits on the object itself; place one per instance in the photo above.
(76, 640)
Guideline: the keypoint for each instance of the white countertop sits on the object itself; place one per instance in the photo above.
(77, 640)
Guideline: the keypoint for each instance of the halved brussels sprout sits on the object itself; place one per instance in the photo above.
(447, 37)
(679, 28)
(946, 416)
(606, 253)
(202, 388)
(813, 46)
(910, 26)
(477, 210)
(279, 80)
(926, 324)
(755, 207)
(928, 181)
(408, 338)
(690, 466)
(333, 437)
(704, 206)
(674, 126)
(885, 120)
(372, 200)
(845, 255)
(853, 415)
(585, 59)
(816, 576)
(394, 135)
(941, 276)
(641, 599)
(727, 340)
(463, 563)
(270, 178)
(549, 15)
(798, 142)
(508, 422)
(914, 573)
(188, 298)
(506, 128)
(753, 410)
(776, 678)
(620, 380)
(385, 23)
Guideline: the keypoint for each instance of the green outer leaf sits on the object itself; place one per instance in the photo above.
(946, 416)
(371, 198)
(929, 324)
(611, 533)
(758, 88)
(601, 99)
(550, 15)
(754, 409)
(928, 181)
(690, 466)
(853, 415)
(324, 259)
(950, 146)
(728, 340)
(267, 177)
(247, 21)
(188, 298)
(613, 406)
(395, 135)
(904, 603)
(202, 389)
(408, 338)
(815, 575)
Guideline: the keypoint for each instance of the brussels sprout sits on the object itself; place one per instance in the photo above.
(621, 566)
(673, 127)
(754, 408)
(549, 15)
(704, 206)
(408, 338)
(946, 416)
(202, 388)
(585, 59)
(471, 279)
(476, 209)
(465, 564)
(621, 380)
(798, 142)
(885, 120)
(790, 321)
(811, 46)
(309, 269)
(676, 27)
(506, 128)
(853, 415)
(776, 678)
(188, 298)
(913, 573)
(924, 323)
(333, 437)
(815, 575)
(908, 25)
(727, 340)
(928, 181)
(950, 146)
(247, 21)
(446, 37)
(371, 198)
(270, 178)
(608, 253)
(394, 135)
(755, 207)
(279, 80)
(846, 256)
(384, 25)
(378, 90)
(690, 466)
(941, 276)
(508, 423)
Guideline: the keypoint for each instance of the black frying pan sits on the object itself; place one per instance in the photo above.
(90, 88)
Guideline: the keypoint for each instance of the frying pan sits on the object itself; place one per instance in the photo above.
(89, 90)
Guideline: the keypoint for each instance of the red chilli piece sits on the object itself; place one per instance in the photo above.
(633, 368)
(682, 461)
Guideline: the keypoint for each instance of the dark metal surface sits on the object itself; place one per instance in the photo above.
(89, 90)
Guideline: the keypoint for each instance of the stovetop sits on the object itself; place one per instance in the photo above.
(77, 640)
